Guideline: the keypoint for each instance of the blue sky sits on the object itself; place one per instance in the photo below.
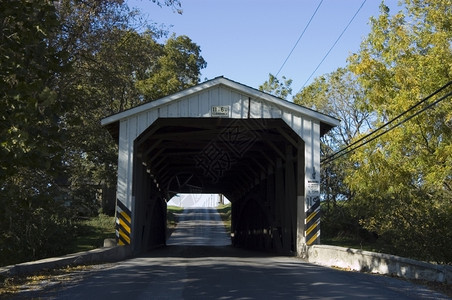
(245, 40)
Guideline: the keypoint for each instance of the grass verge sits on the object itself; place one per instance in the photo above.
(92, 232)
(172, 218)
(225, 214)
(354, 243)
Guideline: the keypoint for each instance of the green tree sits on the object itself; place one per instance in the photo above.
(115, 68)
(31, 131)
(337, 94)
(276, 88)
(64, 66)
(402, 181)
(177, 67)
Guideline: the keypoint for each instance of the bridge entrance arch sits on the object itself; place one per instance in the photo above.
(261, 152)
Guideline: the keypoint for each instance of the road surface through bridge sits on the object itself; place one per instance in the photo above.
(199, 263)
(199, 227)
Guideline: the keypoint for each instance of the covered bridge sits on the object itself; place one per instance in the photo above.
(261, 152)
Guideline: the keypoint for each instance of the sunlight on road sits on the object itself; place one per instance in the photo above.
(200, 226)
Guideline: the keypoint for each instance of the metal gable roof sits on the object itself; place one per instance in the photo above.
(327, 122)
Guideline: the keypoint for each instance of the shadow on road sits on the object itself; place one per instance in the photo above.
(199, 251)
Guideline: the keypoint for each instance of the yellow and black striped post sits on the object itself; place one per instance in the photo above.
(312, 226)
(123, 224)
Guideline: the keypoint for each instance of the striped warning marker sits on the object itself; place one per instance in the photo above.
(312, 225)
(123, 224)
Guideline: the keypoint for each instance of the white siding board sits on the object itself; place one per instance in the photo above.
(276, 112)
(214, 97)
(173, 109)
(266, 110)
(194, 106)
(132, 134)
(255, 109)
(163, 111)
(297, 125)
(308, 145)
(204, 104)
(184, 108)
(316, 148)
(142, 122)
(287, 117)
(246, 102)
(261, 109)
(152, 116)
(224, 97)
(236, 105)
(123, 161)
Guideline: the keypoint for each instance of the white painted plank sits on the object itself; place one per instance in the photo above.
(173, 109)
(215, 97)
(184, 108)
(163, 111)
(287, 117)
(316, 148)
(236, 106)
(276, 112)
(224, 97)
(204, 104)
(194, 106)
(246, 105)
(266, 110)
(142, 122)
(308, 147)
(123, 156)
(132, 134)
(152, 116)
(255, 109)
(298, 125)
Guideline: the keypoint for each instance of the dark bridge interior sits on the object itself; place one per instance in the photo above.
(256, 163)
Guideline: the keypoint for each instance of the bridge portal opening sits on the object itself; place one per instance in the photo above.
(197, 220)
(198, 200)
(258, 164)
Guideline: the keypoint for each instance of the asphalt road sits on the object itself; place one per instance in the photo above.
(199, 263)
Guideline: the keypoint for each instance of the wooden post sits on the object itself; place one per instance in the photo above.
(289, 200)
(300, 177)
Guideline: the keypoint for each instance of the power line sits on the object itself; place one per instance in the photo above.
(299, 38)
(344, 151)
(337, 40)
(398, 124)
(393, 120)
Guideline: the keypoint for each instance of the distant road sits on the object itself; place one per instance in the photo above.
(199, 263)
(200, 226)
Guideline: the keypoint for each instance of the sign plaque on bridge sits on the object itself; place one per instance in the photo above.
(220, 111)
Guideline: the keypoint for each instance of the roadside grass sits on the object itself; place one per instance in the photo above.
(91, 232)
(225, 214)
(349, 242)
(172, 219)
